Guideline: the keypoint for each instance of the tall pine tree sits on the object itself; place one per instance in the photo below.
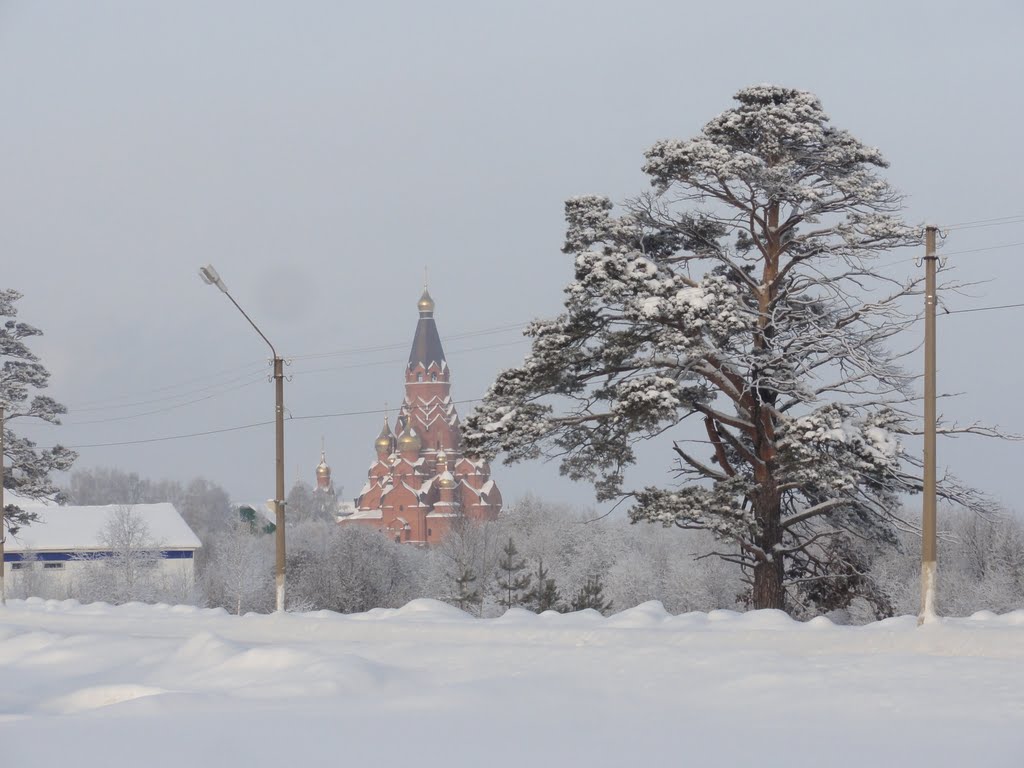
(26, 467)
(742, 295)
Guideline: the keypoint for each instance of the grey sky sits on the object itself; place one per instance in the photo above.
(319, 154)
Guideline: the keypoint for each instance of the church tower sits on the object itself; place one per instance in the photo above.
(420, 480)
(325, 500)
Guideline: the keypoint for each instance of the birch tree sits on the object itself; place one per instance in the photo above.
(742, 293)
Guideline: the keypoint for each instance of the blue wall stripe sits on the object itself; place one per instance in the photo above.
(63, 557)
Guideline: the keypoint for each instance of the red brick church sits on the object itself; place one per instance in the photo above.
(420, 480)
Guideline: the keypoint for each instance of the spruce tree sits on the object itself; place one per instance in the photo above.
(545, 595)
(511, 581)
(26, 467)
(467, 597)
(591, 595)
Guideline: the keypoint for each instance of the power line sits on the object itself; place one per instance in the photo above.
(248, 378)
(396, 361)
(172, 437)
(983, 309)
(979, 250)
(240, 427)
(979, 223)
(109, 404)
(398, 345)
(164, 409)
(87, 405)
(261, 377)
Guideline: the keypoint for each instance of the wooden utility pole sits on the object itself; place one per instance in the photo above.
(928, 537)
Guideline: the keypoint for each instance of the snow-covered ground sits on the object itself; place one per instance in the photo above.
(427, 685)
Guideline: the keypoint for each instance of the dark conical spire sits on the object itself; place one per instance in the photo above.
(426, 344)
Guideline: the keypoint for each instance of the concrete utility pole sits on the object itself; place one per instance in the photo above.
(928, 537)
(210, 277)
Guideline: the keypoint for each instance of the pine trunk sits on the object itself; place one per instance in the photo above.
(769, 591)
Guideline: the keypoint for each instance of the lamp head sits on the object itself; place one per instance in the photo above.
(210, 277)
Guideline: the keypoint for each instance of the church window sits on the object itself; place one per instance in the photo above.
(433, 377)
(419, 377)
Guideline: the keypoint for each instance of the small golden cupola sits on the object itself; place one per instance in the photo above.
(323, 472)
(385, 442)
(409, 442)
(426, 304)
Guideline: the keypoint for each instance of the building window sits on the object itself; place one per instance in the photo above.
(419, 377)
(401, 507)
(433, 377)
(18, 566)
(53, 566)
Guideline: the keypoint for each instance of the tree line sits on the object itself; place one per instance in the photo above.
(538, 556)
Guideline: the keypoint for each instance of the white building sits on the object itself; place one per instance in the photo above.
(65, 536)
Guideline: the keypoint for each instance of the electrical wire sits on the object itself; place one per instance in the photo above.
(944, 254)
(94, 405)
(186, 393)
(982, 309)
(394, 361)
(205, 433)
(980, 223)
(251, 369)
(165, 409)
(398, 345)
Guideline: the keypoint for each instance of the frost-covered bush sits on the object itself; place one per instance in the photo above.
(349, 569)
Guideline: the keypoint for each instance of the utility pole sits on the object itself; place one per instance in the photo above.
(210, 277)
(279, 466)
(928, 537)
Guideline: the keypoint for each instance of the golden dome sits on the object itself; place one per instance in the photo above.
(322, 470)
(446, 480)
(426, 304)
(409, 442)
(385, 440)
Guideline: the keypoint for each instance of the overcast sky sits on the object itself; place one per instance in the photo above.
(320, 154)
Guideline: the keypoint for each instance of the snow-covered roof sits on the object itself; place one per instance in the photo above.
(63, 529)
(365, 514)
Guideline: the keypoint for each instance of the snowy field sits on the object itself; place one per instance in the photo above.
(428, 686)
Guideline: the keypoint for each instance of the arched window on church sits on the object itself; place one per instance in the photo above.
(419, 377)
(433, 377)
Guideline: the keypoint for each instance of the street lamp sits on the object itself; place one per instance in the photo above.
(210, 277)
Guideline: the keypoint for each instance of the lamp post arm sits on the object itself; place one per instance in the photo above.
(255, 327)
